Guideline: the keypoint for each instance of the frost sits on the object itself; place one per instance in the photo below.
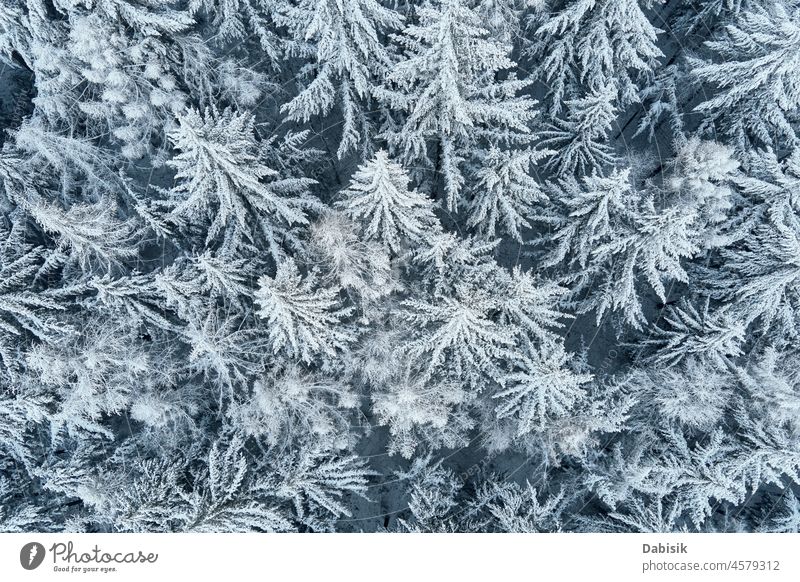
(290, 265)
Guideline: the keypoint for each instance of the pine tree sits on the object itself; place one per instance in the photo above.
(316, 482)
(361, 268)
(284, 399)
(693, 394)
(652, 251)
(458, 336)
(187, 281)
(762, 277)
(304, 320)
(579, 141)
(422, 413)
(24, 309)
(788, 521)
(136, 299)
(87, 233)
(703, 175)
(512, 508)
(380, 199)
(502, 18)
(593, 213)
(93, 375)
(118, 67)
(432, 498)
(541, 390)
(150, 17)
(530, 306)
(714, 339)
(225, 496)
(16, 516)
(233, 19)
(592, 44)
(505, 192)
(661, 100)
(344, 38)
(221, 180)
(446, 85)
(754, 73)
(223, 350)
(770, 381)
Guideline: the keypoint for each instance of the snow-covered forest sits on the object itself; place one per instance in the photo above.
(370, 265)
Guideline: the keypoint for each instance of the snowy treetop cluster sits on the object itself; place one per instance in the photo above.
(366, 265)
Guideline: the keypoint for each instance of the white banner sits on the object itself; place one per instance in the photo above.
(407, 557)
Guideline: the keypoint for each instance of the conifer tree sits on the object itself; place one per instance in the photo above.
(446, 86)
(303, 320)
(349, 59)
(753, 67)
(221, 180)
(379, 197)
